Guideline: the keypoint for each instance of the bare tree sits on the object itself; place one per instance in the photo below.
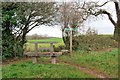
(95, 9)
(70, 14)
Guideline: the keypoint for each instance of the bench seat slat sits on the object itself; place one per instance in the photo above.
(32, 54)
(40, 49)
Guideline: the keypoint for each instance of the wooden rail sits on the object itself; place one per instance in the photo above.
(38, 52)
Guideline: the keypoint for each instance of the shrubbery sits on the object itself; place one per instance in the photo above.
(36, 37)
(94, 42)
(91, 41)
(59, 48)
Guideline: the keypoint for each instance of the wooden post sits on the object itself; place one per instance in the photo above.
(51, 49)
(70, 41)
(34, 59)
(36, 48)
(51, 46)
(53, 59)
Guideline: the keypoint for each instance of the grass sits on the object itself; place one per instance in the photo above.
(105, 62)
(48, 40)
(30, 46)
(30, 70)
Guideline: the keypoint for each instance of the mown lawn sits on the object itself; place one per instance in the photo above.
(30, 70)
(105, 62)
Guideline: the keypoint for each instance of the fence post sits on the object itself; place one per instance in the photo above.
(70, 41)
(36, 48)
(34, 59)
(51, 49)
(52, 55)
(53, 59)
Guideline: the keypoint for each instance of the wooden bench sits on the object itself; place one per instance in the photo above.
(38, 52)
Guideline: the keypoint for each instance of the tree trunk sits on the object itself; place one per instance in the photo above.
(117, 25)
(117, 29)
(23, 40)
(116, 33)
(66, 40)
(63, 36)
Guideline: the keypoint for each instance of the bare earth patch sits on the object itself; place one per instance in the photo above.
(86, 70)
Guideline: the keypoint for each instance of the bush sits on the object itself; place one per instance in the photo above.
(95, 42)
(59, 48)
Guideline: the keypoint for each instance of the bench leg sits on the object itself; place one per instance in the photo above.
(34, 60)
(53, 60)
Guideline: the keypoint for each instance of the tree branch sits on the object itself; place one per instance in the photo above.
(25, 26)
(37, 24)
(32, 27)
(102, 4)
(107, 13)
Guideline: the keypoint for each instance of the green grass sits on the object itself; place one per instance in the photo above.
(105, 62)
(48, 40)
(30, 70)
(30, 46)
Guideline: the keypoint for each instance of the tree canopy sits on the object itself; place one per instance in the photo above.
(21, 17)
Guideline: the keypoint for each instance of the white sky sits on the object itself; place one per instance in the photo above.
(102, 25)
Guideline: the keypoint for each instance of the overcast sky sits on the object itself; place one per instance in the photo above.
(101, 24)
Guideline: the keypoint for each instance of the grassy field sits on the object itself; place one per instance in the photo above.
(30, 70)
(105, 62)
(29, 46)
(48, 40)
